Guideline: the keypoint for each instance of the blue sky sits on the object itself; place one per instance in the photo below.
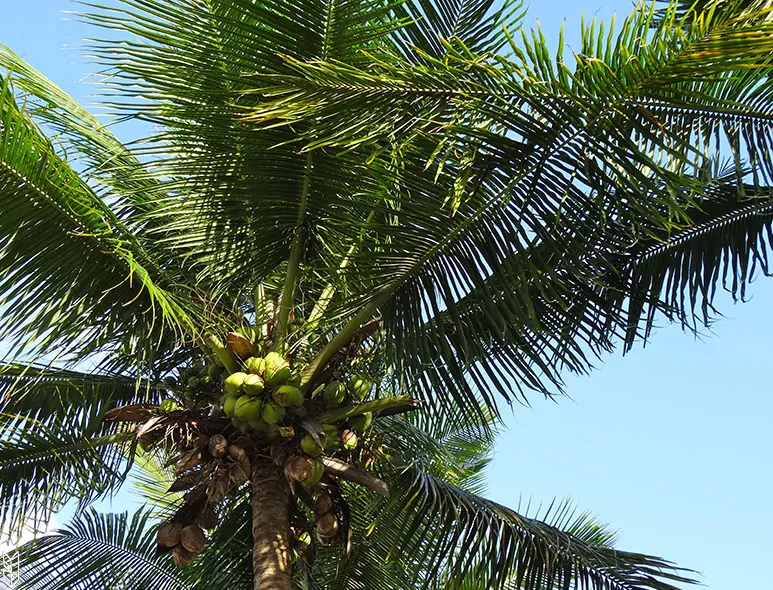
(670, 444)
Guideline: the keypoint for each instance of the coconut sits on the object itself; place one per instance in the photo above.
(276, 370)
(271, 433)
(258, 424)
(323, 505)
(335, 394)
(168, 534)
(361, 423)
(214, 371)
(218, 445)
(169, 405)
(236, 452)
(318, 470)
(286, 432)
(310, 446)
(359, 387)
(327, 528)
(288, 396)
(208, 518)
(194, 383)
(349, 440)
(233, 383)
(253, 385)
(229, 404)
(248, 408)
(331, 435)
(294, 379)
(254, 365)
(299, 469)
(239, 424)
(192, 538)
(272, 413)
(182, 556)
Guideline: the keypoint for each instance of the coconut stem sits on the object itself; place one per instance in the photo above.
(293, 265)
(222, 353)
(329, 351)
(327, 293)
(270, 529)
(349, 473)
(384, 406)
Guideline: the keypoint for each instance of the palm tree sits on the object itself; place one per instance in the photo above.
(340, 208)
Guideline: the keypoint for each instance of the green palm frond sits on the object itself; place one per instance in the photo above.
(434, 532)
(85, 140)
(72, 273)
(99, 551)
(42, 393)
(54, 444)
(612, 143)
(242, 190)
(480, 25)
(677, 274)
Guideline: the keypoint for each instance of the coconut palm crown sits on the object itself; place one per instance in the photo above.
(351, 232)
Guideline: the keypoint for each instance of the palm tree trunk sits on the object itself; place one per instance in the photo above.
(270, 529)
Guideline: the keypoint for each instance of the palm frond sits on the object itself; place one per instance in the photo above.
(592, 155)
(53, 442)
(41, 393)
(454, 535)
(676, 274)
(481, 25)
(72, 274)
(98, 551)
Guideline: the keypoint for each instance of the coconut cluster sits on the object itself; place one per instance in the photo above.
(245, 402)
(262, 409)
(208, 471)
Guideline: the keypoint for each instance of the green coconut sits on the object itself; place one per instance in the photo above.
(194, 383)
(310, 447)
(248, 408)
(272, 413)
(361, 423)
(169, 405)
(214, 371)
(335, 394)
(349, 440)
(229, 404)
(294, 379)
(277, 370)
(316, 474)
(271, 433)
(254, 365)
(258, 424)
(239, 425)
(233, 383)
(253, 385)
(288, 396)
(331, 434)
(359, 387)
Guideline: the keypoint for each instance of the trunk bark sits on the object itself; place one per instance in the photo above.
(270, 529)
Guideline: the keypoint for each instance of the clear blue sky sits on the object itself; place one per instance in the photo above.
(670, 444)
